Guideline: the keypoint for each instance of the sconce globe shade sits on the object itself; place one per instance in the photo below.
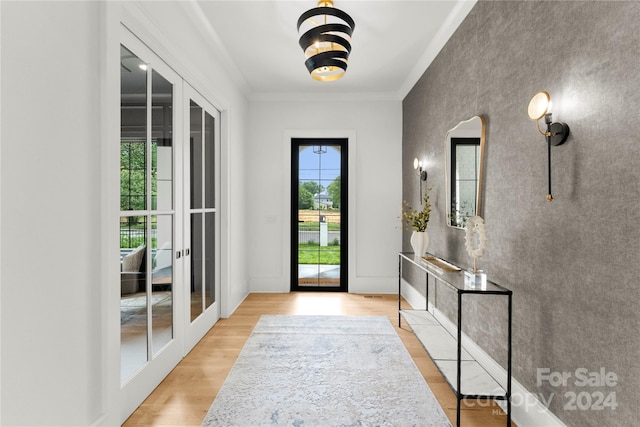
(539, 105)
(416, 163)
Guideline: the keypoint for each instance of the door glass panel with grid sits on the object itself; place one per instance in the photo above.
(146, 213)
(203, 145)
(319, 214)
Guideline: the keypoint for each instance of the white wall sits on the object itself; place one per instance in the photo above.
(374, 237)
(51, 250)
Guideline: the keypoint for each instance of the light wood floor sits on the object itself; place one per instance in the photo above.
(184, 397)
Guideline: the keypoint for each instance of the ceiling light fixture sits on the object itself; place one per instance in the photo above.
(326, 40)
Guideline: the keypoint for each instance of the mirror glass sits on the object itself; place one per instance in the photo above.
(464, 152)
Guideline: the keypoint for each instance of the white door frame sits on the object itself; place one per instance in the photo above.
(135, 389)
(194, 331)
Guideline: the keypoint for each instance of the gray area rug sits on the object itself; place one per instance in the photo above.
(325, 371)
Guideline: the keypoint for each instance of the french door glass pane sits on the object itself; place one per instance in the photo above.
(319, 216)
(133, 118)
(209, 161)
(161, 280)
(133, 166)
(196, 155)
(203, 219)
(210, 264)
(146, 239)
(161, 143)
(133, 299)
(197, 285)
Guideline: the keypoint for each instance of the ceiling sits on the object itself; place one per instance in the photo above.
(394, 41)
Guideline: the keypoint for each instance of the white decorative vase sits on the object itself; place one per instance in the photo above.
(419, 242)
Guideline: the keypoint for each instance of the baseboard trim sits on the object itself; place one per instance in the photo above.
(236, 307)
(526, 409)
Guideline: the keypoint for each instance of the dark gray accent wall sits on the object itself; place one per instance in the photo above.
(573, 263)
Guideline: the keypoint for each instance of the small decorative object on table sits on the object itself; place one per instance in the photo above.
(441, 265)
(418, 222)
(475, 242)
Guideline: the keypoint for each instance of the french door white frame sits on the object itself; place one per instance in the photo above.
(136, 388)
(186, 334)
(198, 328)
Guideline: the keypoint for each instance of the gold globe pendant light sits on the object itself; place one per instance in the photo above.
(326, 40)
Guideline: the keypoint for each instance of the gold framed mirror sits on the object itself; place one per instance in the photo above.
(464, 170)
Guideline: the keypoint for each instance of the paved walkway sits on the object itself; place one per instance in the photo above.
(318, 270)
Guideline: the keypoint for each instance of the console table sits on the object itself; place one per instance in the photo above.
(449, 364)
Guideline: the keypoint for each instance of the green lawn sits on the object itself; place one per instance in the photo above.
(315, 254)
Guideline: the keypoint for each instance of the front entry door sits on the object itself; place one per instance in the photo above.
(319, 214)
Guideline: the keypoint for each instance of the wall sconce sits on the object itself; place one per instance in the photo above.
(417, 165)
(557, 132)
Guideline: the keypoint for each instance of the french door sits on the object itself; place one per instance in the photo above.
(319, 214)
(169, 223)
(202, 215)
(150, 276)
(147, 210)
